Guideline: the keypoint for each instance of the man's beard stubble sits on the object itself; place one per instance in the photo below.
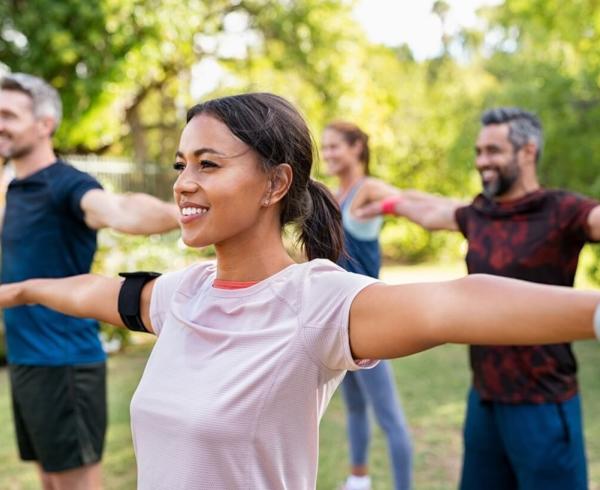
(16, 151)
(504, 182)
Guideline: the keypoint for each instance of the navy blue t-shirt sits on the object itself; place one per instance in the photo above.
(44, 236)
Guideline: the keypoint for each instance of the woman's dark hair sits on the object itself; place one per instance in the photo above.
(352, 134)
(276, 131)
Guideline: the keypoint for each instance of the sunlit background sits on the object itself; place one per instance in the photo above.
(415, 75)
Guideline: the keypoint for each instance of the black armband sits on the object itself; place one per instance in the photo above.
(129, 298)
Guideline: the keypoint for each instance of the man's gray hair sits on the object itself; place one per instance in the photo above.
(45, 99)
(524, 126)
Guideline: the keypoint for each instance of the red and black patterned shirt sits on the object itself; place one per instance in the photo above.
(535, 238)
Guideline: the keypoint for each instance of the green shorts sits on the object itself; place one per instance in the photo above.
(60, 414)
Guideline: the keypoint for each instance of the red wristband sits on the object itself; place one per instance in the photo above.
(388, 205)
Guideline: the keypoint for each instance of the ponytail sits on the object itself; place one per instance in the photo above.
(321, 232)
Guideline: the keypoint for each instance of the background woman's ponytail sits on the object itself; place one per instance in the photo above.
(321, 232)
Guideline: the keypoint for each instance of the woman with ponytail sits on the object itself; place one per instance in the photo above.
(345, 149)
(250, 347)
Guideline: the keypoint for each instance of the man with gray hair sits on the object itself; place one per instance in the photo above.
(51, 215)
(523, 426)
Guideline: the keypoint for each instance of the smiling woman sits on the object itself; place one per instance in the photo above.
(251, 347)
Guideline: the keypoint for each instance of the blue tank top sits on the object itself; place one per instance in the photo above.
(364, 256)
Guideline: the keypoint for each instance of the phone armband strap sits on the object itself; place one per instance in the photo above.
(129, 298)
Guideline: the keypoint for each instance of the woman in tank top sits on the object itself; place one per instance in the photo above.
(345, 149)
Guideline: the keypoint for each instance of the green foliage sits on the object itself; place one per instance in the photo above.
(593, 266)
(406, 242)
(124, 68)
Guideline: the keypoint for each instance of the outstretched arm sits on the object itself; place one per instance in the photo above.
(594, 223)
(428, 210)
(135, 213)
(394, 321)
(86, 296)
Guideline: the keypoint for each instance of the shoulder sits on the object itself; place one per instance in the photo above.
(183, 284)
(561, 194)
(464, 210)
(373, 183)
(373, 186)
(187, 280)
(328, 290)
(65, 178)
(569, 200)
(63, 168)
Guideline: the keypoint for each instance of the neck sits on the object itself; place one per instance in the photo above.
(38, 158)
(349, 178)
(519, 190)
(254, 256)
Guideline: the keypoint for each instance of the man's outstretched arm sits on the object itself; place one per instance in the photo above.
(134, 213)
(594, 223)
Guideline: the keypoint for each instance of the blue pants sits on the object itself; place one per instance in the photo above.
(524, 446)
(376, 386)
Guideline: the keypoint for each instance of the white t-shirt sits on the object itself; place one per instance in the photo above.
(238, 380)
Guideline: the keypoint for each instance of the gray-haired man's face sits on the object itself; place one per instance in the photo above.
(496, 160)
(20, 130)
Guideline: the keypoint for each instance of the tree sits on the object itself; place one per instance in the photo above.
(123, 66)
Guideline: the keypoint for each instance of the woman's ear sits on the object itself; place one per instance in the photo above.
(280, 180)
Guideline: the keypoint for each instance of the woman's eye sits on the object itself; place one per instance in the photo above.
(179, 166)
(207, 164)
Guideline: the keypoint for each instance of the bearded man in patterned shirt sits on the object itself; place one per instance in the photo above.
(523, 427)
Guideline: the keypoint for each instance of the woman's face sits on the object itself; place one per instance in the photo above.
(338, 154)
(221, 186)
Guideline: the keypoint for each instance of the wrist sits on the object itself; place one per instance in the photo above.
(23, 294)
(388, 205)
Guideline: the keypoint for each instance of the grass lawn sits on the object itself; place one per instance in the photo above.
(432, 386)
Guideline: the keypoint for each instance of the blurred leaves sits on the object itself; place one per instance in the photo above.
(125, 69)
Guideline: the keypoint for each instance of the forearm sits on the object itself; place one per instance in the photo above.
(142, 214)
(394, 321)
(86, 296)
(490, 310)
(427, 210)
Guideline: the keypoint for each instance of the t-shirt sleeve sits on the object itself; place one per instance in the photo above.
(462, 216)
(162, 293)
(71, 188)
(574, 211)
(328, 295)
